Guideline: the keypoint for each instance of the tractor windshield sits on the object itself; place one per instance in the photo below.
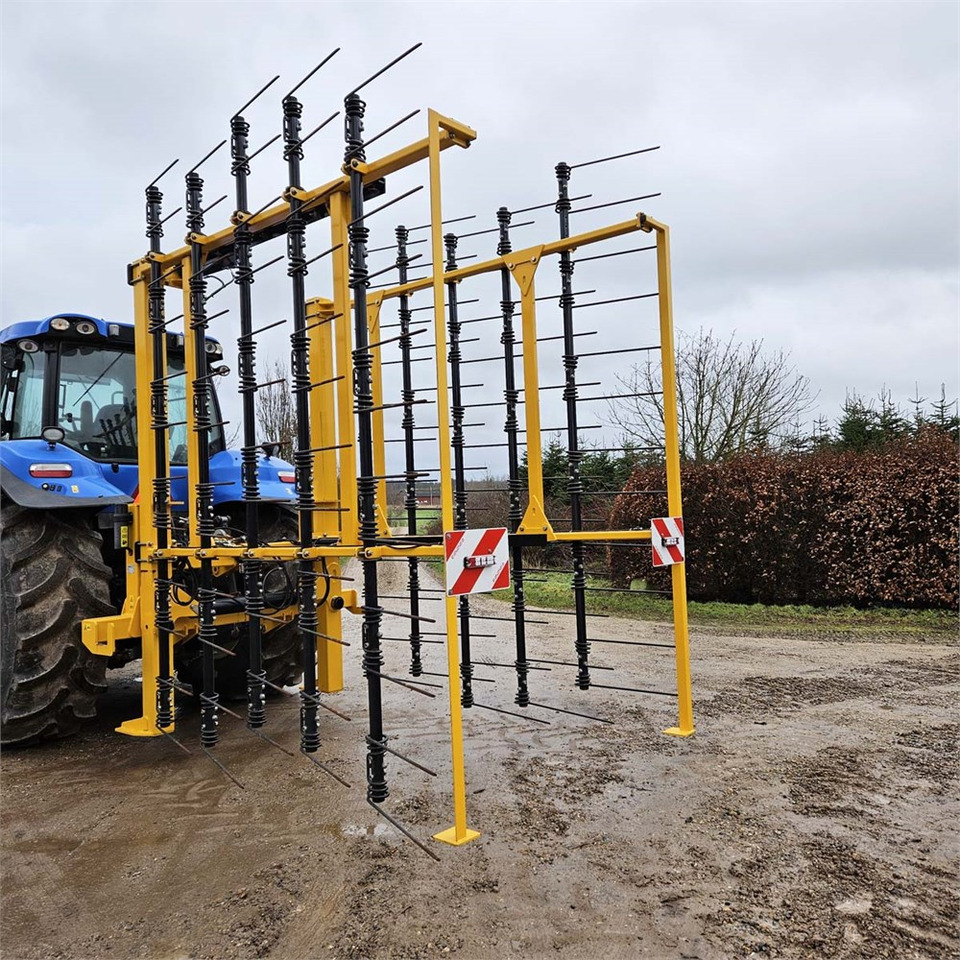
(96, 402)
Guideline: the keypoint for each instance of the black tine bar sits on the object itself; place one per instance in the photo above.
(568, 663)
(616, 203)
(480, 233)
(634, 643)
(392, 246)
(427, 673)
(269, 326)
(383, 206)
(320, 256)
(386, 816)
(511, 713)
(616, 156)
(327, 770)
(393, 126)
(162, 173)
(461, 302)
(170, 215)
(257, 95)
(324, 61)
(552, 203)
(405, 683)
(197, 165)
(413, 763)
(383, 70)
(656, 693)
(392, 266)
(397, 613)
(426, 226)
(315, 130)
(262, 147)
(601, 303)
(167, 733)
(616, 253)
(511, 666)
(223, 769)
(572, 713)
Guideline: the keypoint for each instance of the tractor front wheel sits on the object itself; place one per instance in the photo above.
(52, 577)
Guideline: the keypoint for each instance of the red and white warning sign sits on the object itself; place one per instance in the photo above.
(666, 537)
(477, 561)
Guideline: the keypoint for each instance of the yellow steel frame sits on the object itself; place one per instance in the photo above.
(334, 438)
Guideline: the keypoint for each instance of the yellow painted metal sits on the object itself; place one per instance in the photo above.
(323, 422)
(523, 270)
(588, 536)
(374, 302)
(459, 833)
(343, 336)
(678, 572)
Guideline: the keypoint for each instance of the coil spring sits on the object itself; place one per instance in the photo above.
(292, 111)
(504, 216)
(194, 202)
(353, 111)
(239, 128)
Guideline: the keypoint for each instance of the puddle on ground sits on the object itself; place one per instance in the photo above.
(373, 830)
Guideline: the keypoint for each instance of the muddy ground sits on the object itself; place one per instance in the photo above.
(814, 814)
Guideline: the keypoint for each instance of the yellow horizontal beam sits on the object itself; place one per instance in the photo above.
(530, 254)
(373, 553)
(586, 536)
(260, 553)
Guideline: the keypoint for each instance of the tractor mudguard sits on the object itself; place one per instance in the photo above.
(79, 482)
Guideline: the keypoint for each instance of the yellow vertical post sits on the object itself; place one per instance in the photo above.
(339, 206)
(534, 518)
(459, 833)
(145, 725)
(374, 303)
(325, 486)
(678, 572)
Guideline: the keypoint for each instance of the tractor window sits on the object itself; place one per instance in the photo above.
(97, 402)
(22, 402)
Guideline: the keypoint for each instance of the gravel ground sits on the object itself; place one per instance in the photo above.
(813, 815)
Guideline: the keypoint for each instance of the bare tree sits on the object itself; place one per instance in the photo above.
(732, 397)
(276, 417)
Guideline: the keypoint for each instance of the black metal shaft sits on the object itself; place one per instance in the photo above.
(161, 484)
(511, 396)
(410, 449)
(358, 233)
(574, 454)
(206, 524)
(457, 411)
(249, 452)
(302, 457)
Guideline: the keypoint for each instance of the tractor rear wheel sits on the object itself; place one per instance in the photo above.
(52, 577)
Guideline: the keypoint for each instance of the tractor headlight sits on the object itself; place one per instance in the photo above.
(212, 347)
(28, 346)
(60, 323)
(86, 327)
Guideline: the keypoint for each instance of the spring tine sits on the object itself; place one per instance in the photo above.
(316, 129)
(259, 150)
(616, 253)
(169, 215)
(317, 257)
(510, 666)
(320, 323)
(393, 246)
(383, 206)
(600, 303)
(617, 156)
(327, 770)
(657, 693)
(327, 58)
(480, 233)
(572, 713)
(510, 713)
(162, 173)
(568, 663)
(223, 769)
(269, 326)
(386, 816)
(392, 126)
(397, 753)
(544, 206)
(383, 70)
(216, 646)
(404, 683)
(166, 733)
(407, 640)
(616, 203)
(634, 643)
(197, 166)
(392, 266)
(261, 91)
(427, 673)
(266, 206)
(254, 730)
(425, 226)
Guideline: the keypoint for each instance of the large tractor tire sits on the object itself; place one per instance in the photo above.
(281, 646)
(52, 577)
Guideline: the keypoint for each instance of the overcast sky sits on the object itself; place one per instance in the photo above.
(808, 162)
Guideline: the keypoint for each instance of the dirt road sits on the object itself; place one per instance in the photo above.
(813, 815)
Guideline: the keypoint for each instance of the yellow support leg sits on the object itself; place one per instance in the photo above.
(459, 833)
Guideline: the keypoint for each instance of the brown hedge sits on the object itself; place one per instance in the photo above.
(824, 528)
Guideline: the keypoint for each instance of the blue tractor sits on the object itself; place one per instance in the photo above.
(68, 468)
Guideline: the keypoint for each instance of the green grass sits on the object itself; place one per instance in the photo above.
(555, 593)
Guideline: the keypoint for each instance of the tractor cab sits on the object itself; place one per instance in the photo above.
(68, 417)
